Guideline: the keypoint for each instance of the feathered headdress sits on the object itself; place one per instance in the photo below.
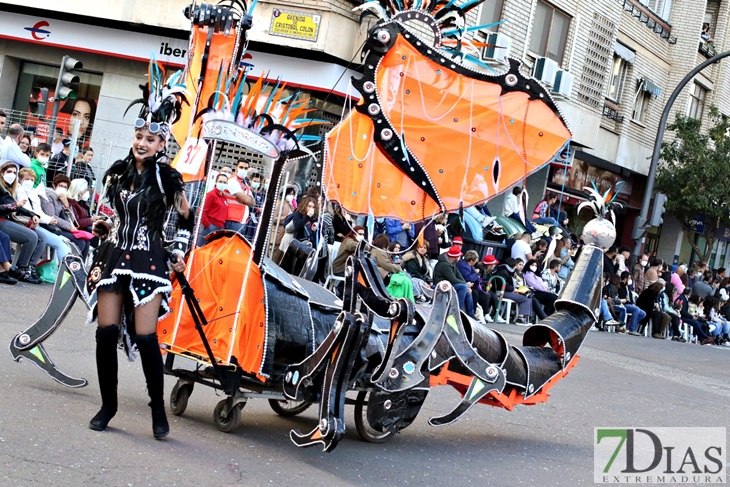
(603, 204)
(265, 109)
(161, 100)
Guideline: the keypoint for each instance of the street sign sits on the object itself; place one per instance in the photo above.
(295, 25)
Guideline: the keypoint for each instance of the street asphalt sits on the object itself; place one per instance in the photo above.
(619, 380)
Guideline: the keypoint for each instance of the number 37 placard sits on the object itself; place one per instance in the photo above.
(189, 161)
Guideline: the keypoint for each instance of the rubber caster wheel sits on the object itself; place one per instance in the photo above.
(289, 408)
(179, 397)
(231, 421)
(367, 432)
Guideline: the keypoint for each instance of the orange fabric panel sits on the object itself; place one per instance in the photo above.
(454, 125)
(220, 54)
(231, 295)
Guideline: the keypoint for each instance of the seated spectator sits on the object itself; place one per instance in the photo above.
(652, 273)
(394, 248)
(704, 287)
(550, 276)
(566, 259)
(677, 280)
(379, 252)
(9, 274)
(626, 300)
(541, 291)
(446, 270)
(513, 208)
(47, 228)
(542, 215)
(283, 209)
(304, 220)
(486, 271)
(506, 271)
(215, 209)
(521, 248)
(466, 267)
(666, 304)
(347, 248)
(78, 197)
(39, 164)
(55, 204)
(416, 264)
(31, 243)
(341, 222)
(692, 318)
(722, 326)
(621, 260)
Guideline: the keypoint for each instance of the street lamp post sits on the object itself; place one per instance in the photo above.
(640, 221)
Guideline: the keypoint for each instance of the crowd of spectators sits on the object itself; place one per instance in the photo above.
(40, 206)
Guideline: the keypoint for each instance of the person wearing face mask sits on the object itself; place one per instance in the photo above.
(259, 195)
(541, 291)
(283, 209)
(39, 164)
(215, 210)
(240, 198)
(55, 203)
(78, 198)
(25, 192)
(304, 220)
(31, 243)
(626, 299)
(638, 273)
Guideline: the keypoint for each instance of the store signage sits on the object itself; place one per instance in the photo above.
(582, 175)
(564, 158)
(295, 25)
(303, 73)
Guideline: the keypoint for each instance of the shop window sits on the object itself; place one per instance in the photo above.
(618, 78)
(660, 7)
(641, 107)
(35, 76)
(549, 32)
(490, 13)
(697, 98)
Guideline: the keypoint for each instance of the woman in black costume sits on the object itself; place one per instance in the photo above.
(129, 282)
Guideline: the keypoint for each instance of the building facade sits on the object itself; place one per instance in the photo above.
(612, 65)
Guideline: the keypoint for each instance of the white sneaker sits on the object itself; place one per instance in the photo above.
(489, 319)
(612, 323)
(499, 319)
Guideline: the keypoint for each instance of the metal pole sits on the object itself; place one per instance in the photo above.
(56, 103)
(640, 221)
(74, 150)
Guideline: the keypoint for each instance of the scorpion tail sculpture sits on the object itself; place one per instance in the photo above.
(481, 364)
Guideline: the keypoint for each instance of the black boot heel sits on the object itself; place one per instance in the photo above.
(160, 426)
(106, 365)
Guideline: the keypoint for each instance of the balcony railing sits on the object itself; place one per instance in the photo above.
(646, 16)
(611, 112)
(707, 49)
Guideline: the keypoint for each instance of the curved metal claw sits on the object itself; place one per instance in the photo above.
(476, 391)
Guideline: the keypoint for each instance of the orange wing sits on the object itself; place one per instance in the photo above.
(466, 138)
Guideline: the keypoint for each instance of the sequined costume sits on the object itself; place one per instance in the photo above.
(134, 260)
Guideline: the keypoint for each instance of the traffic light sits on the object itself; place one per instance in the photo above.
(656, 218)
(68, 80)
(38, 100)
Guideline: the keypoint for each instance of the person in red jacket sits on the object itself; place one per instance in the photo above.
(215, 209)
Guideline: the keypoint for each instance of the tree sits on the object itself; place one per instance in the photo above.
(694, 174)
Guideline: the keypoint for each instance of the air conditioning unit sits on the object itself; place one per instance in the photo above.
(545, 70)
(563, 84)
(497, 48)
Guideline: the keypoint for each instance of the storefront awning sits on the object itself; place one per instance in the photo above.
(624, 53)
(650, 87)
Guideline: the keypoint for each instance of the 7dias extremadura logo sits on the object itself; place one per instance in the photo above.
(624, 455)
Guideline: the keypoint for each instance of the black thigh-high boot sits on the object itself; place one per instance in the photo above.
(107, 367)
(149, 351)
